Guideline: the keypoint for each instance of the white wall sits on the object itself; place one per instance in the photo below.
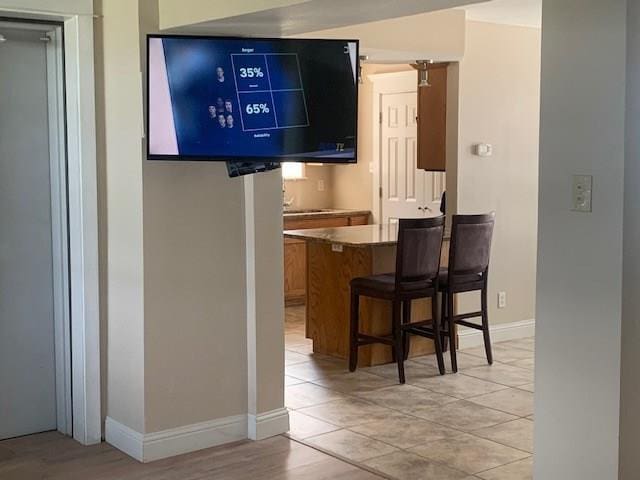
(119, 150)
(580, 255)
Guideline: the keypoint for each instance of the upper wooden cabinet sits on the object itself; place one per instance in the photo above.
(432, 121)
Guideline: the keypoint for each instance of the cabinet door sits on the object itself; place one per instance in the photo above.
(295, 271)
(432, 121)
(359, 220)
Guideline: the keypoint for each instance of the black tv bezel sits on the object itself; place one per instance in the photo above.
(227, 158)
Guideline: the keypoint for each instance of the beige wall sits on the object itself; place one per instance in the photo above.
(174, 14)
(499, 104)
(305, 192)
(195, 322)
(353, 184)
(498, 98)
(76, 7)
(174, 261)
(195, 292)
(435, 35)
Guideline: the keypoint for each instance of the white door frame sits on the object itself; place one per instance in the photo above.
(59, 227)
(384, 83)
(81, 179)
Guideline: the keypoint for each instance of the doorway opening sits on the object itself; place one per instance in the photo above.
(367, 416)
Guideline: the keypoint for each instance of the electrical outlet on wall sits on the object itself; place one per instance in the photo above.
(502, 299)
(321, 185)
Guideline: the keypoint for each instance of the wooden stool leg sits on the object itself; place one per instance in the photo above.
(452, 332)
(436, 333)
(397, 339)
(406, 319)
(443, 320)
(353, 331)
(485, 325)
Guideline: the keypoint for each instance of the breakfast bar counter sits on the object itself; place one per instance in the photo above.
(334, 257)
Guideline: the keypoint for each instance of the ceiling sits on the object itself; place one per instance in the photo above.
(314, 15)
(526, 13)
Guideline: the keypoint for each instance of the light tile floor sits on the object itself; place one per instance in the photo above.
(476, 424)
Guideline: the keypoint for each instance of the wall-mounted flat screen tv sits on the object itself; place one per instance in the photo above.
(224, 98)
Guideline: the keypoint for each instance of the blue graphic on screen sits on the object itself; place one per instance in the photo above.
(262, 98)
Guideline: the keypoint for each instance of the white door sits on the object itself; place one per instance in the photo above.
(405, 191)
(29, 246)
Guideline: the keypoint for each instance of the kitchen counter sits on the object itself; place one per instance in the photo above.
(310, 214)
(335, 255)
(295, 250)
(355, 236)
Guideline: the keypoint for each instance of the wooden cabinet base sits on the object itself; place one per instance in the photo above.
(328, 298)
(295, 255)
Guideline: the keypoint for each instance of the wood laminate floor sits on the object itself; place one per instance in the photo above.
(52, 456)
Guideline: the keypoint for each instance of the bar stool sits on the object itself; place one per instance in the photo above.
(468, 271)
(416, 276)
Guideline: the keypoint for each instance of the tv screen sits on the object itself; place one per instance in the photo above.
(248, 99)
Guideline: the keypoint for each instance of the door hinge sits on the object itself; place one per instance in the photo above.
(380, 192)
(380, 117)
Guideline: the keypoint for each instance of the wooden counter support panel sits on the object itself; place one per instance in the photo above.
(295, 268)
(295, 254)
(328, 298)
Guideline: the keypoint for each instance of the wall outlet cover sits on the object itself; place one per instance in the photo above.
(502, 299)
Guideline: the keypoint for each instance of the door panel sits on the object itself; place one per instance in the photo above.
(403, 185)
(27, 362)
(407, 192)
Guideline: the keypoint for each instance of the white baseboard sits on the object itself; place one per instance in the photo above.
(124, 438)
(268, 424)
(175, 441)
(469, 338)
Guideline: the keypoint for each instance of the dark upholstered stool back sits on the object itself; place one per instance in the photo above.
(470, 244)
(418, 252)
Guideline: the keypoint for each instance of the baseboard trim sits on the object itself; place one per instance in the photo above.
(124, 438)
(469, 338)
(175, 441)
(268, 424)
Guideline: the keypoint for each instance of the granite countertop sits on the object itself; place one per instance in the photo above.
(355, 236)
(304, 214)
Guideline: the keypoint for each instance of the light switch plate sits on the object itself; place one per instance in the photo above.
(483, 149)
(581, 193)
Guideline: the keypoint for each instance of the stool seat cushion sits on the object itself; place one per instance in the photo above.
(386, 282)
(443, 278)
